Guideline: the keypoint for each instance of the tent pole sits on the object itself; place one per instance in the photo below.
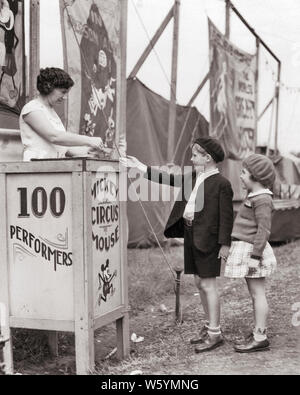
(227, 29)
(252, 30)
(152, 43)
(34, 60)
(256, 91)
(265, 109)
(199, 89)
(122, 121)
(271, 127)
(277, 107)
(172, 107)
(203, 82)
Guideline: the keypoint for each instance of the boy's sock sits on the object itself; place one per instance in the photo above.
(214, 331)
(260, 334)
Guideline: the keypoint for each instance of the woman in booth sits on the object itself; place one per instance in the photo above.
(42, 132)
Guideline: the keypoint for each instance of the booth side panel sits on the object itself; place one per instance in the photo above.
(4, 280)
(106, 254)
(84, 335)
(88, 259)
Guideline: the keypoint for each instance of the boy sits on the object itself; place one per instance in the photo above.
(204, 218)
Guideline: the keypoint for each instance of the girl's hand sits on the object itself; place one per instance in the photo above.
(131, 161)
(224, 252)
(253, 263)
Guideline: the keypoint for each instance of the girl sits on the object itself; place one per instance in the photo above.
(250, 255)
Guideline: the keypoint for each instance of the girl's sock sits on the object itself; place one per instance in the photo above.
(260, 334)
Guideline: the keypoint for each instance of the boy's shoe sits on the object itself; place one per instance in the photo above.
(201, 337)
(251, 345)
(209, 343)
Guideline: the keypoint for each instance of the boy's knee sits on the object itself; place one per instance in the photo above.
(198, 282)
(205, 284)
(209, 285)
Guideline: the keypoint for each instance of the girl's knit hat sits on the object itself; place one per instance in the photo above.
(261, 168)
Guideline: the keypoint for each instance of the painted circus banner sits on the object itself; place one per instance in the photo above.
(106, 242)
(91, 31)
(232, 95)
(12, 56)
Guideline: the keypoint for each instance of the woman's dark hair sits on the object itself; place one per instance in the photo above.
(52, 78)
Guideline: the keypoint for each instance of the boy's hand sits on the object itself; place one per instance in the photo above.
(131, 161)
(223, 253)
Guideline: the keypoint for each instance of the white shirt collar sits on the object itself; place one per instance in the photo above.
(207, 174)
(260, 192)
(189, 211)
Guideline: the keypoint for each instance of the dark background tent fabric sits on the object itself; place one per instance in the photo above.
(147, 125)
(147, 139)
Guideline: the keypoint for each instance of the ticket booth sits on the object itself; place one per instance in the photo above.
(63, 252)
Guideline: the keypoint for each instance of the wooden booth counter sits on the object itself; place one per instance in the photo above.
(64, 252)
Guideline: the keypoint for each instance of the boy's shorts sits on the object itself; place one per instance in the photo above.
(205, 265)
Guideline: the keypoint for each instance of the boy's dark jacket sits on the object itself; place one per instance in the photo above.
(213, 224)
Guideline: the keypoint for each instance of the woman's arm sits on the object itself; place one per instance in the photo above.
(43, 127)
(89, 152)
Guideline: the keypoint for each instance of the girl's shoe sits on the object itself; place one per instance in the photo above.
(247, 338)
(251, 345)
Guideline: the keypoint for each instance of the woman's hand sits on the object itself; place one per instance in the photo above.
(96, 143)
(131, 161)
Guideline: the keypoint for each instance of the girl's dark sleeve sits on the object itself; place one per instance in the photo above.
(263, 207)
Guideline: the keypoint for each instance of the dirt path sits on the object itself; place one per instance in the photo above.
(166, 349)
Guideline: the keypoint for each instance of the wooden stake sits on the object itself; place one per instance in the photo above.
(178, 317)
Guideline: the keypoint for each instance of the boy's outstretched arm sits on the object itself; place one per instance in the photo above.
(153, 174)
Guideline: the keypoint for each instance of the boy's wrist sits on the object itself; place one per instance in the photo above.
(143, 168)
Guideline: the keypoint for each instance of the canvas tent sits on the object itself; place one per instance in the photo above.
(147, 128)
(147, 125)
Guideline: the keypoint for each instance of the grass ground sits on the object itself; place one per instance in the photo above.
(166, 348)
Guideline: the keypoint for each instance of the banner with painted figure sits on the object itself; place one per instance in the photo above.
(12, 56)
(91, 32)
(232, 95)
